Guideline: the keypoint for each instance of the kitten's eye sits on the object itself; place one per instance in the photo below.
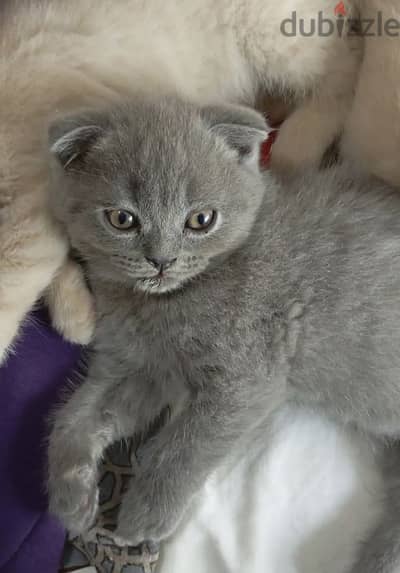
(201, 221)
(122, 220)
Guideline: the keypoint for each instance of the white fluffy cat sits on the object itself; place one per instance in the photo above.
(57, 56)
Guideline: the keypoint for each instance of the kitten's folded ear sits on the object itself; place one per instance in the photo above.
(71, 138)
(242, 128)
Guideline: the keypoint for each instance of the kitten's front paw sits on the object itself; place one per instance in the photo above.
(146, 515)
(73, 498)
(71, 305)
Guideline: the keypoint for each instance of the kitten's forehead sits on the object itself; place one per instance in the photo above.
(166, 153)
(159, 131)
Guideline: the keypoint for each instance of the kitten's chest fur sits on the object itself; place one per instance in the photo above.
(214, 333)
(168, 331)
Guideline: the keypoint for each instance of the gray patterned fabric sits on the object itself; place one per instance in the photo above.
(97, 547)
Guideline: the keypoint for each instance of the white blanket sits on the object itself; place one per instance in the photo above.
(300, 505)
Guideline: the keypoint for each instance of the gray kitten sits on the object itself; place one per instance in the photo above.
(223, 296)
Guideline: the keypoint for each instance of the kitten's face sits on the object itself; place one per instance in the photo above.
(153, 195)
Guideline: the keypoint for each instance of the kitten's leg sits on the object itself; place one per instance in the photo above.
(84, 427)
(71, 304)
(31, 251)
(174, 465)
(318, 121)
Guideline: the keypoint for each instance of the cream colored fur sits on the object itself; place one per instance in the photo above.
(62, 55)
(372, 136)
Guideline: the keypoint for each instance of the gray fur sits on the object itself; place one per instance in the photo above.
(292, 298)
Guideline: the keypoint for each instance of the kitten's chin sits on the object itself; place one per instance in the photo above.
(159, 285)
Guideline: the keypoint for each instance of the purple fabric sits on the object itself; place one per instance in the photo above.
(30, 540)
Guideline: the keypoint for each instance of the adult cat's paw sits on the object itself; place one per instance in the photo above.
(4, 352)
(71, 305)
(147, 514)
(301, 143)
(291, 154)
(74, 497)
(8, 334)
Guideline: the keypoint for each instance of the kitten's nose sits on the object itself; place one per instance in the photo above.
(160, 263)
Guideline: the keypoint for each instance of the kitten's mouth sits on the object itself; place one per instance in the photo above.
(159, 283)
